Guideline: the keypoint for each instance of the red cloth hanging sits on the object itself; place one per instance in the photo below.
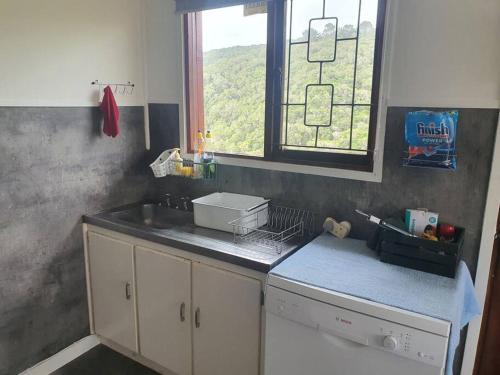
(111, 113)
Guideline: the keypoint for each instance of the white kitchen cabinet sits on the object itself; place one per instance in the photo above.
(112, 289)
(164, 309)
(227, 310)
(170, 311)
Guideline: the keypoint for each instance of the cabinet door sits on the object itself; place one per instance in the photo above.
(112, 284)
(164, 309)
(226, 337)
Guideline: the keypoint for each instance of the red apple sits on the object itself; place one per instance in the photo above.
(447, 231)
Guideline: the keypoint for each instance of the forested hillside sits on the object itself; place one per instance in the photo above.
(234, 86)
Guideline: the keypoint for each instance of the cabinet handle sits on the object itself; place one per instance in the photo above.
(127, 291)
(182, 312)
(197, 318)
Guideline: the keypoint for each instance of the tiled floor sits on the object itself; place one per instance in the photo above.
(103, 361)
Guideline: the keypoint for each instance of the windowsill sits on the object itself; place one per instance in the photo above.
(375, 176)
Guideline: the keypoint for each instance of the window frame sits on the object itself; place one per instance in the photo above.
(276, 48)
(193, 85)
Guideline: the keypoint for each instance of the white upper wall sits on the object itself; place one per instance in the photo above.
(51, 51)
(446, 53)
(164, 52)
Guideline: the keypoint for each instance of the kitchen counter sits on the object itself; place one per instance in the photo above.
(184, 235)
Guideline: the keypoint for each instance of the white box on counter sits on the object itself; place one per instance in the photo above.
(217, 210)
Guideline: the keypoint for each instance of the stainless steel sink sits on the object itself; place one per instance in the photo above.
(154, 215)
(153, 222)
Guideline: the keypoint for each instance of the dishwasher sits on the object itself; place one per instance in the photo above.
(311, 331)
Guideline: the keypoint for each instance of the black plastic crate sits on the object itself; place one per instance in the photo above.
(436, 257)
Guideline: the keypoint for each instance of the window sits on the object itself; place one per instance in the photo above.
(296, 83)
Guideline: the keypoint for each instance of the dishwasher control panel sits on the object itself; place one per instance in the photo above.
(359, 328)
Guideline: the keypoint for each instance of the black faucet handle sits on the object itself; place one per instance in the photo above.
(184, 203)
(189, 204)
(166, 200)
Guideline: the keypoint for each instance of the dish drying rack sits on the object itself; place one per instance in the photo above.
(274, 230)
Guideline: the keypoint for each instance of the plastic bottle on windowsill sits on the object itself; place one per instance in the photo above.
(198, 155)
(209, 147)
(209, 155)
(200, 144)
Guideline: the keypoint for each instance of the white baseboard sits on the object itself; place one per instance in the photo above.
(63, 357)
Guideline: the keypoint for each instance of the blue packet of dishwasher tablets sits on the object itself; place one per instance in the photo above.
(431, 137)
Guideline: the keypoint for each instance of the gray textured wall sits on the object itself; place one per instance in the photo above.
(163, 127)
(458, 196)
(54, 167)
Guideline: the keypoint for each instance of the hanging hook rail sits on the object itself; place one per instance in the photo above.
(116, 86)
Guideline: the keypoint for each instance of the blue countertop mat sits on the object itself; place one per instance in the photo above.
(348, 266)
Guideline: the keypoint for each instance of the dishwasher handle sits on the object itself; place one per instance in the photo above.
(347, 336)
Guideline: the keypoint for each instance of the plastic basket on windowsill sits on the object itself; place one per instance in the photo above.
(162, 166)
